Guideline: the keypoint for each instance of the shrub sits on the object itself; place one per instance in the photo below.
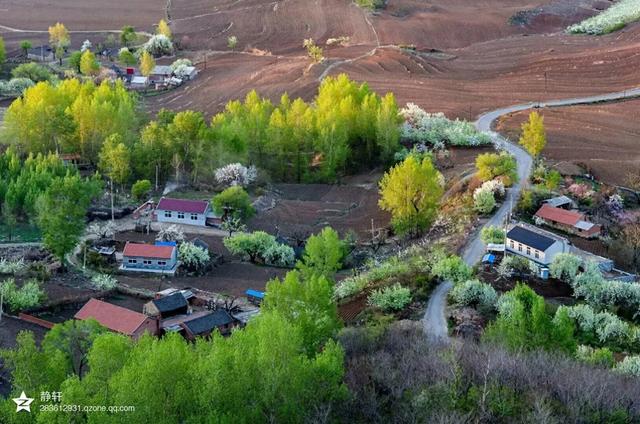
(250, 245)
(140, 189)
(171, 233)
(452, 268)
(28, 296)
(32, 71)
(602, 357)
(484, 201)
(612, 19)
(126, 57)
(350, 286)
(179, 67)
(438, 131)
(565, 267)
(15, 87)
(193, 257)
(104, 282)
(492, 165)
(474, 293)
(280, 255)
(234, 201)
(492, 234)
(513, 264)
(11, 267)
(392, 298)
(323, 254)
(630, 365)
(494, 186)
(236, 174)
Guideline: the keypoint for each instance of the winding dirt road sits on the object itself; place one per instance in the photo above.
(434, 321)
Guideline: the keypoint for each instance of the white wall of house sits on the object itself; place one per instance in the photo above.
(185, 218)
(542, 257)
(141, 263)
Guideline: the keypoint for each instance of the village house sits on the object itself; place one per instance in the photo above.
(561, 202)
(139, 82)
(204, 325)
(167, 306)
(566, 220)
(159, 258)
(538, 246)
(118, 319)
(182, 211)
(160, 74)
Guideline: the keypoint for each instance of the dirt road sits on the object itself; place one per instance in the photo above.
(434, 321)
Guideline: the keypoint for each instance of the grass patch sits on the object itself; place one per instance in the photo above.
(371, 4)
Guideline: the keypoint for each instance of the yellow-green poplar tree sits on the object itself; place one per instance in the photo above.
(147, 63)
(534, 137)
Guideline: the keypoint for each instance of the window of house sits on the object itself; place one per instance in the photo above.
(537, 254)
(162, 263)
(528, 251)
(147, 262)
(133, 261)
(519, 247)
(194, 216)
(180, 215)
(511, 243)
(167, 214)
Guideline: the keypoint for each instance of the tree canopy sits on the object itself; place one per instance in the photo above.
(533, 137)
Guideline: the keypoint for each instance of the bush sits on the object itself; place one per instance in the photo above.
(630, 365)
(492, 234)
(565, 267)
(234, 201)
(126, 57)
(140, 189)
(602, 357)
(11, 267)
(28, 296)
(484, 201)
(170, 233)
(32, 71)
(15, 87)
(193, 257)
(236, 174)
(350, 286)
(476, 294)
(104, 282)
(280, 255)
(452, 268)
(492, 165)
(513, 264)
(392, 298)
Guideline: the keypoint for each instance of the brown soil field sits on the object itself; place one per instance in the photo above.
(604, 138)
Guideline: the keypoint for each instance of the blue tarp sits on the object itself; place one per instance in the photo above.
(489, 258)
(255, 293)
(166, 243)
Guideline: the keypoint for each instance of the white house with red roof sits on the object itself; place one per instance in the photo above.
(161, 257)
(183, 211)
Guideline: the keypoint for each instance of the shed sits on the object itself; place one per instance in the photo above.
(203, 326)
(560, 202)
(118, 319)
(139, 81)
(256, 297)
(167, 306)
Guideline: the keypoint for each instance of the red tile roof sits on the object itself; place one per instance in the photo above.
(561, 216)
(114, 317)
(141, 250)
(182, 205)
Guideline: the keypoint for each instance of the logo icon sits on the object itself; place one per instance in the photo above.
(23, 402)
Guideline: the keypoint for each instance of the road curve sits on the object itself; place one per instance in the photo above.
(434, 321)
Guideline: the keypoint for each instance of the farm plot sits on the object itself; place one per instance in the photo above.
(605, 138)
(303, 209)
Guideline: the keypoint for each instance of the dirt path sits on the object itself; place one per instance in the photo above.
(434, 321)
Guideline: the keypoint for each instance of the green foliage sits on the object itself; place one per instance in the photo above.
(280, 255)
(601, 357)
(193, 257)
(565, 267)
(140, 189)
(232, 42)
(89, 65)
(128, 35)
(71, 117)
(74, 60)
(523, 323)
(25, 46)
(452, 268)
(313, 50)
(104, 282)
(492, 234)
(630, 365)
(371, 4)
(257, 246)
(614, 18)
(533, 137)
(492, 165)
(3, 51)
(476, 294)
(306, 303)
(411, 192)
(235, 202)
(392, 298)
(33, 71)
(484, 202)
(115, 159)
(323, 255)
(62, 211)
(126, 58)
(28, 296)
(513, 264)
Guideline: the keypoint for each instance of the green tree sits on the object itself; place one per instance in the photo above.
(492, 165)
(89, 66)
(140, 189)
(75, 58)
(388, 122)
(189, 137)
(306, 303)
(59, 39)
(62, 211)
(128, 35)
(565, 267)
(252, 246)
(152, 156)
(492, 234)
(232, 42)
(533, 137)
(323, 255)
(25, 46)
(73, 339)
(3, 51)
(126, 57)
(313, 50)
(33, 71)
(411, 192)
(233, 201)
(147, 63)
(115, 162)
(484, 201)
(163, 29)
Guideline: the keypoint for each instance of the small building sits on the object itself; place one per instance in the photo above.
(139, 82)
(561, 202)
(189, 72)
(160, 74)
(254, 296)
(167, 306)
(539, 246)
(41, 54)
(182, 211)
(118, 319)
(570, 221)
(204, 325)
(149, 258)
